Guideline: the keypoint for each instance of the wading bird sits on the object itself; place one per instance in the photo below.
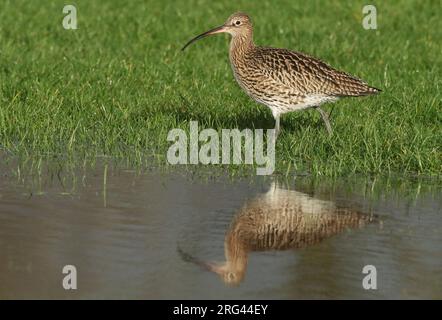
(281, 79)
(280, 219)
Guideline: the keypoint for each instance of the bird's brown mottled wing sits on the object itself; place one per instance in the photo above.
(306, 75)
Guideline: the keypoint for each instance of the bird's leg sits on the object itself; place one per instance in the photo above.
(277, 125)
(324, 116)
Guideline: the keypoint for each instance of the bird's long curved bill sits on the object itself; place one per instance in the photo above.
(209, 266)
(205, 34)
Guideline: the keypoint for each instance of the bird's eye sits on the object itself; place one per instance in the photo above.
(237, 22)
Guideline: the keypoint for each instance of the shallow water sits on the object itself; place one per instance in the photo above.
(172, 235)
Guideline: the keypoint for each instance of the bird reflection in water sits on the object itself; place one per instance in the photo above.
(280, 219)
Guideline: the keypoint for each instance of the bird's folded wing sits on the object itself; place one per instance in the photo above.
(305, 75)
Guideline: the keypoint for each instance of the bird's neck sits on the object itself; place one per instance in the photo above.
(240, 45)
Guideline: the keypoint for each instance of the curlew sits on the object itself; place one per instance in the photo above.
(279, 219)
(281, 79)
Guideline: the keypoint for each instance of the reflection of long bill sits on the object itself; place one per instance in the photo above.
(216, 30)
(209, 266)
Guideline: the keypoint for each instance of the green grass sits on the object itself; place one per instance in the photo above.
(119, 83)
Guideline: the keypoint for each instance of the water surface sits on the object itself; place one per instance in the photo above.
(174, 235)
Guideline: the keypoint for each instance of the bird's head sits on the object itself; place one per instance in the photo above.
(238, 24)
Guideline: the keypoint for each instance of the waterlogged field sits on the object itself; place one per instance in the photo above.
(161, 235)
(109, 187)
(118, 84)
